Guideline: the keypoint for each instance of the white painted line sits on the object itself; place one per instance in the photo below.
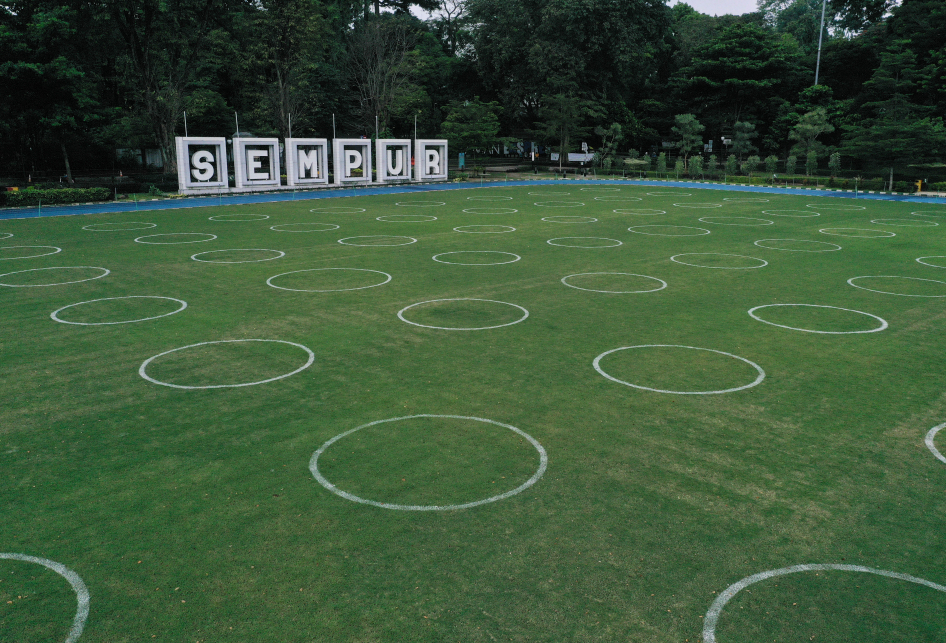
(58, 283)
(663, 284)
(550, 193)
(576, 245)
(55, 313)
(420, 204)
(6, 235)
(642, 212)
(142, 370)
(559, 204)
(92, 226)
(712, 616)
(230, 217)
(377, 236)
(269, 282)
(176, 234)
(841, 232)
(601, 189)
(764, 221)
(279, 255)
(835, 206)
(406, 218)
(543, 464)
(883, 322)
(899, 294)
(906, 223)
(925, 263)
(490, 210)
(930, 436)
(638, 230)
(717, 254)
(400, 313)
(283, 227)
(569, 219)
(758, 379)
(56, 250)
(509, 228)
(801, 214)
(339, 210)
(461, 252)
(489, 198)
(607, 199)
(78, 586)
(835, 247)
(669, 194)
(698, 205)
(745, 200)
(929, 213)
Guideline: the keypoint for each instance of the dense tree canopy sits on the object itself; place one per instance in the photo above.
(90, 84)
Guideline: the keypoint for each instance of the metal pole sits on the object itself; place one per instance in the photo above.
(290, 124)
(185, 123)
(334, 135)
(824, 5)
(376, 127)
(237, 119)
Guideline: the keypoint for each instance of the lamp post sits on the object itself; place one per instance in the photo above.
(824, 5)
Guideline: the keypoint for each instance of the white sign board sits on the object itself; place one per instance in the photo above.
(255, 161)
(431, 161)
(201, 162)
(393, 159)
(351, 158)
(306, 161)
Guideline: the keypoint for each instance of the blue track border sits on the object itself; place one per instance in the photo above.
(279, 197)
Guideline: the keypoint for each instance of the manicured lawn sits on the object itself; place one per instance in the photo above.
(192, 512)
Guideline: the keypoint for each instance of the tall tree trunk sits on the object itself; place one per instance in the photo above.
(65, 158)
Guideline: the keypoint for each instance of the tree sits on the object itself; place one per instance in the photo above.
(750, 164)
(742, 139)
(661, 163)
(688, 131)
(471, 125)
(771, 163)
(811, 163)
(610, 138)
(790, 163)
(810, 126)
(561, 117)
(712, 164)
(732, 165)
(834, 163)
(679, 167)
(696, 165)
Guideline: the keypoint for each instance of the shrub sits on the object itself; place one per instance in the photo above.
(771, 163)
(696, 165)
(662, 163)
(732, 164)
(834, 164)
(811, 163)
(751, 164)
(678, 167)
(790, 164)
(57, 197)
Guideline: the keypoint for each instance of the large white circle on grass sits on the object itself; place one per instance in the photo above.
(883, 322)
(717, 254)
(669, 194)
(232, 217)
(55, 250)
(269, 282)
(490, 210)
(745, 199)
(55, 314)
(377, 236)
(929, 213)
(930, 436)
(578, 245)
(758, 379)
(906, 223)
(58, 283)
(717, 222)
(638, 230)
(284, 227)
(420, 204)
(833, 247)
(5, 235)
(462, 252)
(78, 586)
(406, 218)
(600, 189)
(95, 227)
(712, 616)
(400, 313)
(489, 198)
(142, 370)
(176, 234)
(564, 218)
(550, 193)
(617, 198)
(559, 204)
(663, 284)
(835, 206)
(642, 212)
(543, 464)
(926, 263)
(802, 214)
(899, 294)
(341, 209)
(279, 254)
(699, 205)
(464, 228)
(845, 232)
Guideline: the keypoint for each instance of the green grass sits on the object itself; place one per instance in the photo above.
(192, 515)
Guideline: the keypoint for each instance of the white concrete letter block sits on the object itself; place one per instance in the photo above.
(309, 165)
(433, 162)
(254, 165)
(353, 161)
(203, 165)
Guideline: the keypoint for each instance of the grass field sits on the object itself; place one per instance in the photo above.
(194, 508)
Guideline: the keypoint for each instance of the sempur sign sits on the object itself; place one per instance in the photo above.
(203, 163)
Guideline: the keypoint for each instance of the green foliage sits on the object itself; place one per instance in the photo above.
(810, 126)
(732, 165)
(791, 164)
(750, 164)
(56, 197)
(771, 163)
(662, 163)
(679, 167)
(834, 163)
(471, 124)
(742, 139)
(562, 118)
(696, 165)
(688, 132)
(811, 163)
(712, 164)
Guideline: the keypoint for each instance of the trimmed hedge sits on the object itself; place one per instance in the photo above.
(55, 197)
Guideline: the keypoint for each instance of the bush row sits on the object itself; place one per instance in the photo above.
(54, 197)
